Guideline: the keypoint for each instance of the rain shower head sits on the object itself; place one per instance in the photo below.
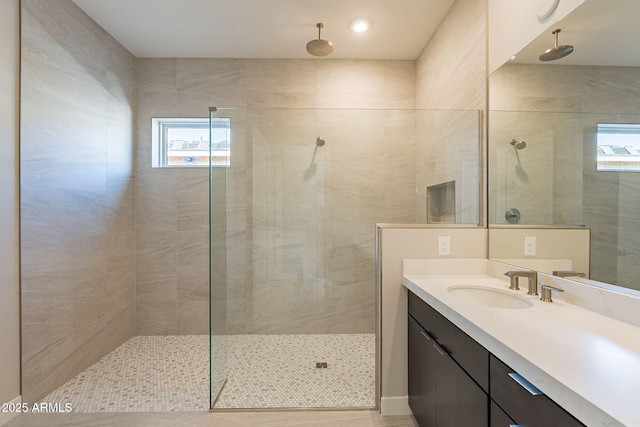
(319, 47)
(518, 145)
(556, 52)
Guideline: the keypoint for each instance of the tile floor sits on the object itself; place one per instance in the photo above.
(362, 418)
(279, 371)
(171, 373)
(145, 374)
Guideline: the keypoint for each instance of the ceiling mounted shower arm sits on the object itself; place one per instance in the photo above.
(556, 52)
(319, 47)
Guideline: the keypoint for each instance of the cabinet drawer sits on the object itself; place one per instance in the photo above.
(498, 418)
(470, 355)
(423, 374)
(424, 314)
(549, 413)
(441, 394)
(509, 395)
(522, 406)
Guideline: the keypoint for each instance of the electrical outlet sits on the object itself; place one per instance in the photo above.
(444, 245)
(529, 246)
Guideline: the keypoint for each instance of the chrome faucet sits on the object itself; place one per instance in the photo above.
(532, 277)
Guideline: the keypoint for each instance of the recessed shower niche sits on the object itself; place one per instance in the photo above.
(441, 203)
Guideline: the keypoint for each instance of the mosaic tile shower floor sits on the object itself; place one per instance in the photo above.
(171, 373)
(279, 371)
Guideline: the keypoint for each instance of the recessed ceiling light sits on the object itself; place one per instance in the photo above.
(360, 25)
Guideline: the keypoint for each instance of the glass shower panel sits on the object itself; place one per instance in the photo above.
(294, 212)
(448, 175)
(275, 210)
(220, 160)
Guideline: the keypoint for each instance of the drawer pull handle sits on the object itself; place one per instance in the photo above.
(516, 425)
(438, 348)
(525, 384)
(425, 335)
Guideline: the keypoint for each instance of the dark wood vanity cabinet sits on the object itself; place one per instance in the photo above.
(471, 356)
(454, 381)
(523, 407)
(441, 392)
(423, 374)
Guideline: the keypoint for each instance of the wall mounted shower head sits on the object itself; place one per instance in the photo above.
(518, 145)
(556, 52)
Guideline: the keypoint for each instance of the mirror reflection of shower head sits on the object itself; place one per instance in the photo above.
(518, 145)
(319, 47)
(556, 52)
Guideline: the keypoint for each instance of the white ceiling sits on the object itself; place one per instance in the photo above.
(267, 28)
(602, 32)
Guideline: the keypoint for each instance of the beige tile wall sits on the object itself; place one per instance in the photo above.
(171, 209)
(451, 70)
(369, 174)
(9, 222)
(77, 194)
(449, 150)
(451, 75)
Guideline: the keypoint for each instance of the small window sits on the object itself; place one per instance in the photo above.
(618, 147)
(184, 142)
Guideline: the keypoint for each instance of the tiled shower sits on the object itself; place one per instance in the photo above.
(113, 249)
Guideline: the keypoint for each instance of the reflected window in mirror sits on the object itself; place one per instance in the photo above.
(618, 147)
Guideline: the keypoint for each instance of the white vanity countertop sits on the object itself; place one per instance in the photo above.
(586, 362)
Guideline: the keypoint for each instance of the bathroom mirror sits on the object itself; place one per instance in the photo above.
(562, 134)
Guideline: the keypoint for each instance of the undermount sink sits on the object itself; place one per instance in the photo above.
(490, 296)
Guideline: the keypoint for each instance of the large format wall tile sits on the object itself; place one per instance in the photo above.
(77, 218)
(286, 199)
(451, 70)
(451, 75)
(300, 220)
(291, 83)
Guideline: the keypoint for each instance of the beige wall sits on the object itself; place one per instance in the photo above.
(9, 262)
(77, 204)
(360, 175)
(507, 245)
(396, 243)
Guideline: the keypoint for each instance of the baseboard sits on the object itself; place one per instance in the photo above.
(5, 417)
(397, 405)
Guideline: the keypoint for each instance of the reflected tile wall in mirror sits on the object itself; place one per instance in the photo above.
(555, 109)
